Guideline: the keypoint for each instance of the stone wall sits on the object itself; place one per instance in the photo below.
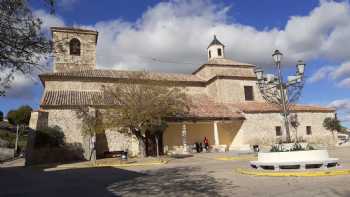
(38, 120)
(230, 90)
(117, 141)
(209, 72)
(259, 128)
(6, 153)
(71, 126)
(63, 61)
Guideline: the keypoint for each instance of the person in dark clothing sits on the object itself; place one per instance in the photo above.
(206, 144)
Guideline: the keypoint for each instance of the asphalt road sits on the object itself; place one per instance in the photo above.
(201, 175)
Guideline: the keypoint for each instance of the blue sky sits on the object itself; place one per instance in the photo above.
(179, 31)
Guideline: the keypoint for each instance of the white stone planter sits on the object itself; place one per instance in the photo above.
(298, 159)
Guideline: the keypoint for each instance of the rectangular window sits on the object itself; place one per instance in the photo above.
(248, 93)
(219, 52)
(278, 131)
(308, 130)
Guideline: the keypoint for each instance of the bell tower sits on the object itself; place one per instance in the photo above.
(215, 49)
(73, 49)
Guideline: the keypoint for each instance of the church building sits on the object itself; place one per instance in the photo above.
(228, 107)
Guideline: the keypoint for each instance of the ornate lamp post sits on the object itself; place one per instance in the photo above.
(277, 91)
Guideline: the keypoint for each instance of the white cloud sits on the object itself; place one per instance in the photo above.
(344, 83)
(342, 70)
(320, 74)
(179, 31)
(48, 20)
(334, 72)
(341, 104)
(21, 86)
(343, 109)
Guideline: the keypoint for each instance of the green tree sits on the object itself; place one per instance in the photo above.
(22, 42)
(332, 124)
(1, 116)
(20, 116)
(142, 107)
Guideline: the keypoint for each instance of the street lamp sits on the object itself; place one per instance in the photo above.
(277, 57)
(277, 91)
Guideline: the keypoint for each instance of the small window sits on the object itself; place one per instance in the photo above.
(74, 47)
(219, 52)
(248, 93)
(308, 130)
(278, 131)
(209, 54)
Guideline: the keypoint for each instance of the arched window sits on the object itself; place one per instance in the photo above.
(74, 47)
(209, 54)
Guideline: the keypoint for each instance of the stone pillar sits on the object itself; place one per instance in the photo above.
(184, 137)
(38, 120)
(216, 133)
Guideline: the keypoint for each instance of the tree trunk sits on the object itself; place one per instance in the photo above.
(157, 144)
(142, 147)
(334, 138)
(16, 142)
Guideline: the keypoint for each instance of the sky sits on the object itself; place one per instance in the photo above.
(172, 36)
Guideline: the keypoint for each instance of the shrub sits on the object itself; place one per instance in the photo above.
(297, 147)
(49, 137)
(277, 148)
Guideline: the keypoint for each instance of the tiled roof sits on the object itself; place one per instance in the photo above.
(201, 107)
(224, 61)
(71, 99)
(121, 74)
(262, 107)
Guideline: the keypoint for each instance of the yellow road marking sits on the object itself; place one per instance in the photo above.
(237, 158)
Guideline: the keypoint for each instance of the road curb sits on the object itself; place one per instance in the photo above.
(318, 173)
(74, 166)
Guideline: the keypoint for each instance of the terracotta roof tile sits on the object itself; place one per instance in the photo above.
(203, 106)
(121, 74)
(62, 98)
(262, 107)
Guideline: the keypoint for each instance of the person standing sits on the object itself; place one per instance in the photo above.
(206, 144)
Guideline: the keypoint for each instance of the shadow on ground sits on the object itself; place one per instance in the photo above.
(21, 181)
(182, 181)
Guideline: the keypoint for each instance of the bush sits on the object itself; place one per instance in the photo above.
(51, 137)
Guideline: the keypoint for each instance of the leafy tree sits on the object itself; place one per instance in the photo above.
(20, 116)
(22, 43)
(332, 124)
(1, 116)
(142, 107)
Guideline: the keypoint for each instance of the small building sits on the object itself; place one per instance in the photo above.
(227, 107)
